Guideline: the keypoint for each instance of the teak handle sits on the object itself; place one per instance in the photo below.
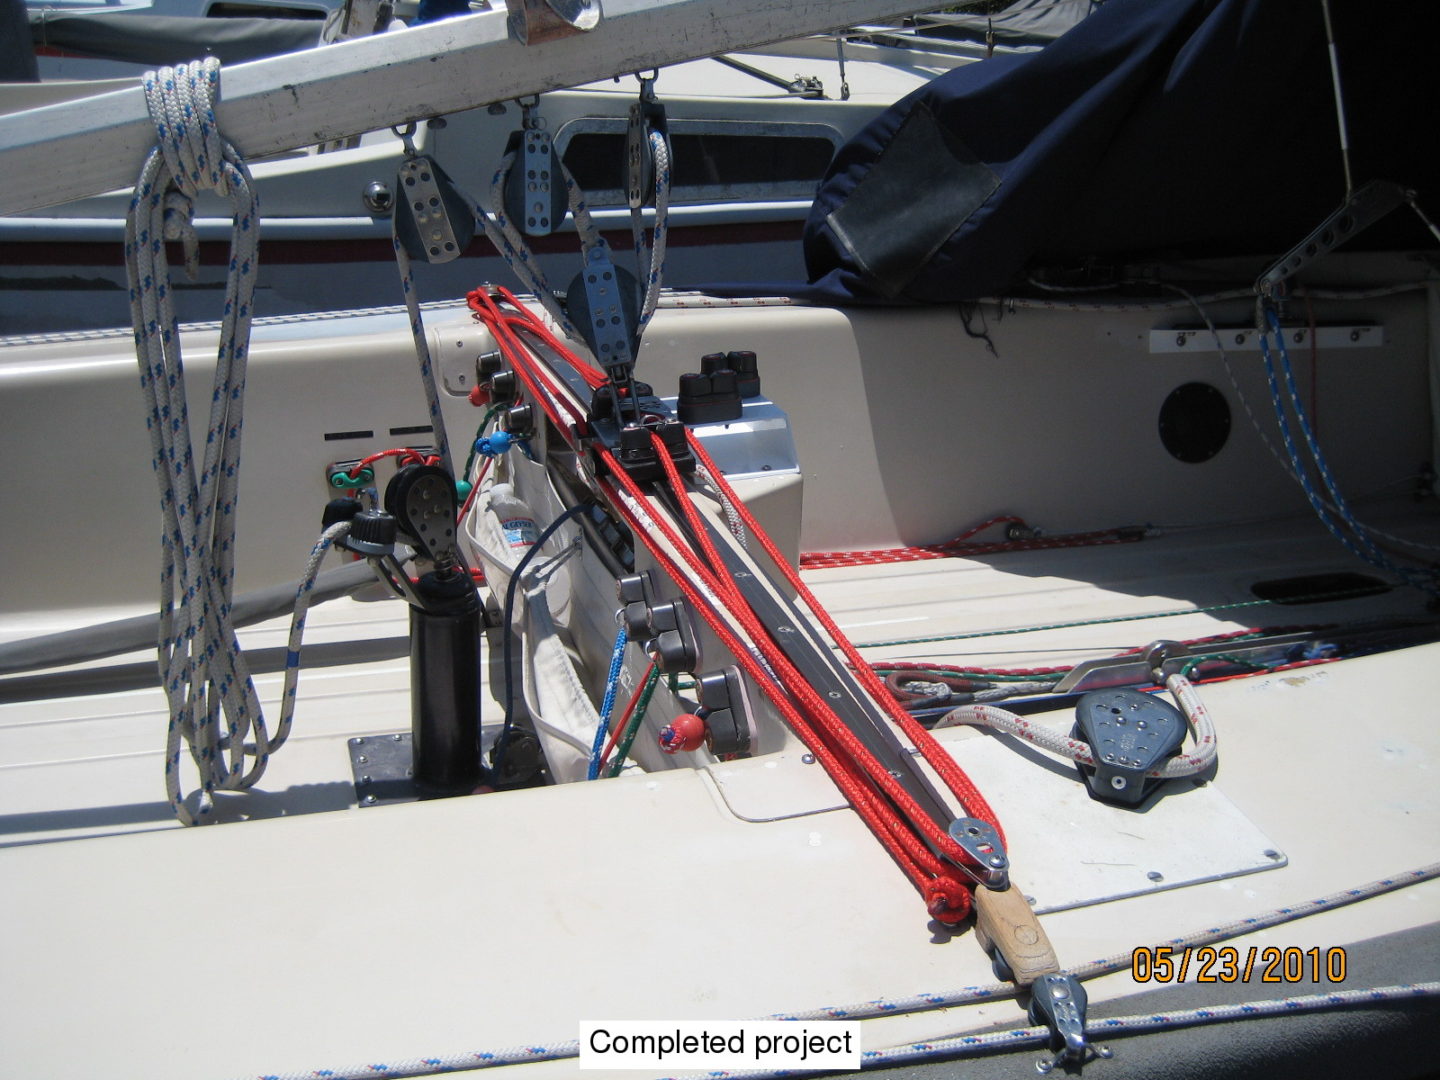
(1005, 918)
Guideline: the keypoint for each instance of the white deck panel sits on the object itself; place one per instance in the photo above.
(486, 922)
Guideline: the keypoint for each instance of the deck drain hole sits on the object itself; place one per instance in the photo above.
(1318, 588)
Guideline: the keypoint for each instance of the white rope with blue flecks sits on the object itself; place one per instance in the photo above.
(501, 232)
(396, 1069)
(203, 672)
(650, 250)
(303, 593)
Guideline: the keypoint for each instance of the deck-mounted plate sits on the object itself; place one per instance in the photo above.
(1066, 849)
(384, 769)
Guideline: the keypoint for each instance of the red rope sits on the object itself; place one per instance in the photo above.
(946, 895)
(864, 766)
(929, 748)
(405, 454)
(892, 814)
(960, 548)
(619, 727)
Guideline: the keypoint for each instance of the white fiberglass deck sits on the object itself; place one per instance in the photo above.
(400, 931)
(735, 890)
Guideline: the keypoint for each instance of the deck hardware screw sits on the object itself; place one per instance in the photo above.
(369, 800)
(1030, 900)
(360, 741)
(1155, 875)
(1271, 853)
(364, 779)
(394, 738)
(834, 694)
(362, 759)
(807, 759)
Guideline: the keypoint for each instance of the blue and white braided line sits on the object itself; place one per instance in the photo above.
(607, 705)
(948, 1046)
(429, 1066)
(650, 250)
(512, 246)
(202, 669)
(303, 592)
(1357, 540)
(1198, 304)
(422, 350)
(987, 1041)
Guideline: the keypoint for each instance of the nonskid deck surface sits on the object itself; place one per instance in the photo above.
(83, 745)
(769, 899)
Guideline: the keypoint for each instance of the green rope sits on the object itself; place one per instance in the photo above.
(622, 751)
(479, 434)
(881, 668)
(1338, 595)
(1238, 661)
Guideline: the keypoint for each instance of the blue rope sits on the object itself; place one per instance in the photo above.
(1356, 540)
(612, 684)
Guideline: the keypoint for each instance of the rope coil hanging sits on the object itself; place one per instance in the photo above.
(202, 670)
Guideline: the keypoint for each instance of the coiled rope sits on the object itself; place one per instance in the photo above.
(201, 666)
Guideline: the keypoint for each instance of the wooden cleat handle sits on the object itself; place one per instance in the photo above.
(1004, 918)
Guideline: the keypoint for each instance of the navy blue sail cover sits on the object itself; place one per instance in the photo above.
(1154, 128)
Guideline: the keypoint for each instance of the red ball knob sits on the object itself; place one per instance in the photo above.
(686, 732)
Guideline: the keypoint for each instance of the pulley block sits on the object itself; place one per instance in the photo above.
(1129, 734)
(432, 219)
(535, 198)
(604, 304)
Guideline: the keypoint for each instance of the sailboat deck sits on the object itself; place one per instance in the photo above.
(339, 895)
(83, 745)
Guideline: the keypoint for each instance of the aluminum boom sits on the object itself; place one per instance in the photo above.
(72, 150)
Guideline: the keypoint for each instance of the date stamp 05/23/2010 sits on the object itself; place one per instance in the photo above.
(1208, 964)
